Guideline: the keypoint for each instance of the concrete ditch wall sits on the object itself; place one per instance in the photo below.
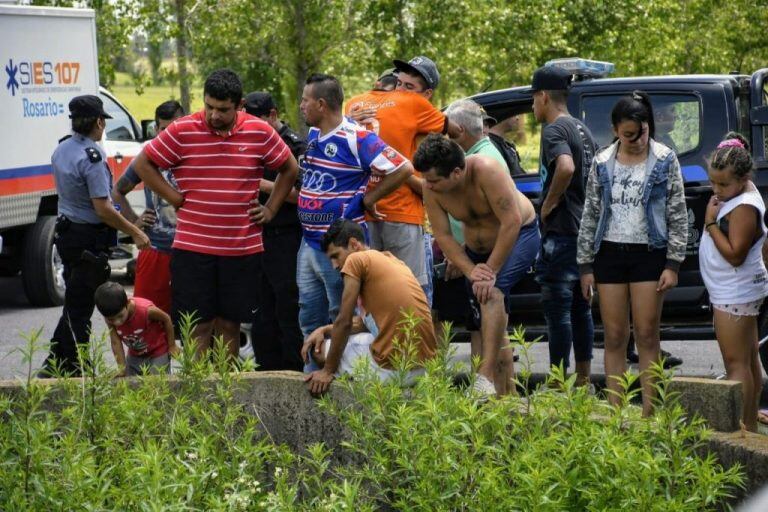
(291, 416)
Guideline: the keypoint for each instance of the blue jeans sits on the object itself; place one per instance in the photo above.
(567, 313)
(428, 288)
(320, 289)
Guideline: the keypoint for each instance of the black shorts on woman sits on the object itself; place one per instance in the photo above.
(620, 263)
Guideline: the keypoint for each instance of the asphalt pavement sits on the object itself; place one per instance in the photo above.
(701, 358)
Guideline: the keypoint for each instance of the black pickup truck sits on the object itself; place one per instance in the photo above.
(700, 110)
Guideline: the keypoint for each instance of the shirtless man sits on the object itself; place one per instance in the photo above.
(501, 238)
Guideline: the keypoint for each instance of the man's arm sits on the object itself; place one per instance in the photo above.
(387, 185)
(416, 183)
(319, 381)
(441, 229)
(150, 175)
(499, 188)
(286, 178)
(113, 219)
(452, 129)
(564, 169)
(123, 186)
(268, 186)
(317, 337)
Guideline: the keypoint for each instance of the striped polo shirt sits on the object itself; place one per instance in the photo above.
(219, 175)
(334, 175)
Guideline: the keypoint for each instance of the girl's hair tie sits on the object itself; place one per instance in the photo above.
(731, 143)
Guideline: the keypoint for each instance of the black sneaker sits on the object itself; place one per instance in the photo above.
(670, 361)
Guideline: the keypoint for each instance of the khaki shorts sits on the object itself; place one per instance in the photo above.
(405, 241)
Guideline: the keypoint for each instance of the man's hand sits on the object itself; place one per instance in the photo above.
(546, 209)
(146, 219)
(482, 272)
(667, 280)
(587, 286)
(141, 240)
(319, 382)
(360, 114)
(482, 290)
(370, 207)
(451, 270)
(260, 214)
(177, 200)
(314, 342)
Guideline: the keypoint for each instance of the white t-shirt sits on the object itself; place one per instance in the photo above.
(725, 283)
(626, 222)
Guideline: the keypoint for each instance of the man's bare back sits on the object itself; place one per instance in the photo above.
(469, 204)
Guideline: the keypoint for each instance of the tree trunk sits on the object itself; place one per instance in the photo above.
(181, 53)
(302, 70)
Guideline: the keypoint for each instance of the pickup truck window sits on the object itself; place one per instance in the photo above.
(677, 116)
(119, 127)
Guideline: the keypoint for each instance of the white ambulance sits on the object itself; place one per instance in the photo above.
(47, 56)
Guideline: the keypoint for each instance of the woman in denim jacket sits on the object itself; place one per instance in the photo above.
(632, 240)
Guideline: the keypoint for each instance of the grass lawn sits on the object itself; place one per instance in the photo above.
(143, 106)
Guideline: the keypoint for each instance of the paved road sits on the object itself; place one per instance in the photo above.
(701, 358)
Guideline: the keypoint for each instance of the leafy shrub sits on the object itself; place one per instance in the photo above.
(149, 445)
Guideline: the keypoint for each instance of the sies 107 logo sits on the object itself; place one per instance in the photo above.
(40, 73)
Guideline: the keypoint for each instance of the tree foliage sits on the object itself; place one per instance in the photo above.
(477, 44)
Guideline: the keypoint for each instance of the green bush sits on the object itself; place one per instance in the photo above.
(145, 445)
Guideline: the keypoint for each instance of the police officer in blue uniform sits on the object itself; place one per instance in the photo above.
(85, 229)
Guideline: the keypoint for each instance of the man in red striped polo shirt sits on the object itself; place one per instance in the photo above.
(217, 157)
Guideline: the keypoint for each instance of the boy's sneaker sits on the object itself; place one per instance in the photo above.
(670, 361)
(483, 386)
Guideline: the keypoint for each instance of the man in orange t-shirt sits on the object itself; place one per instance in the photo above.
(400, 118)
(389, 293)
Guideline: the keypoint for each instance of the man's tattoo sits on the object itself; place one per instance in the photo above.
(503, 203)
(124, 185)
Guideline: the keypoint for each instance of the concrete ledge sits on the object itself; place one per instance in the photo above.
(719, 402)
(291, 416)
(748, 449)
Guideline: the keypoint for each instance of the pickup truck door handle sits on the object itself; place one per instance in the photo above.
(118, 157)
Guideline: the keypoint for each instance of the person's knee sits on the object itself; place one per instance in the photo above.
(646, 337)
(616, 338)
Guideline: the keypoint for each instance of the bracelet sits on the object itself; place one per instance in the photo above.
(706, 227)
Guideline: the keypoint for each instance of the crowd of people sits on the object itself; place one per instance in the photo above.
(330, 238)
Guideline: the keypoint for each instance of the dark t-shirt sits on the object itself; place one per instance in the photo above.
(286, 216)
(566, 136)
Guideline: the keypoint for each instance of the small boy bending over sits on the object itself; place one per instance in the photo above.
(145, 329)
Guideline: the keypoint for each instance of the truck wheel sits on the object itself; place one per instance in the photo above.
(42, 271)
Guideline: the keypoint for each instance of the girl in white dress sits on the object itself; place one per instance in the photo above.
(730, 258)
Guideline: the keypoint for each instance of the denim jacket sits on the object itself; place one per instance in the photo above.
(663, 201)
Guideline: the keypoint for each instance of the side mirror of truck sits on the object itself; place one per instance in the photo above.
(148, 129)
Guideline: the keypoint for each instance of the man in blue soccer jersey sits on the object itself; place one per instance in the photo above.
(339, 160)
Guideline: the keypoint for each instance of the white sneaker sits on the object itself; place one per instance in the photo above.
(483, 386)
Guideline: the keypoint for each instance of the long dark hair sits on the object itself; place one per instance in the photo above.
(635, 107)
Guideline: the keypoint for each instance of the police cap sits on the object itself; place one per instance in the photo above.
(259, 103)
(87, 105)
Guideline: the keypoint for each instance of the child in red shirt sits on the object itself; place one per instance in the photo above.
(145, 329)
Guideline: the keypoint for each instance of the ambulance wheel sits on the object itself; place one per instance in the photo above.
(42, 271)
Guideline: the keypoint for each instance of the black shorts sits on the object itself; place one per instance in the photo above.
(214, 286)
(617, 263)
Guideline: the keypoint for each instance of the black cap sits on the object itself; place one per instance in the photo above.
(386, 73)
(424, 66)
(551, 78)
(259, 103)
(487, 118)
(87, 105)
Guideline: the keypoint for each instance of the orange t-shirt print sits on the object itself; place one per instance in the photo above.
(401, 118)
